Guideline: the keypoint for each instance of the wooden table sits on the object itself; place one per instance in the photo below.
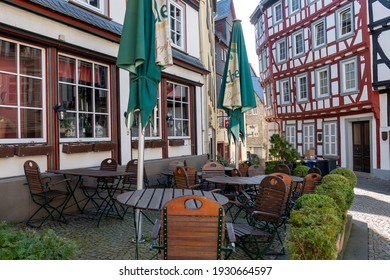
(94, 173)
(154, 200)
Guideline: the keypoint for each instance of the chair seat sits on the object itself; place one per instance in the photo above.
(243, 230)
(50, 194)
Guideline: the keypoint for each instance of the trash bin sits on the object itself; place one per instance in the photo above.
(326, 165)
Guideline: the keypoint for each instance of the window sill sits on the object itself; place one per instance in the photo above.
(148, 144)
(103, 146)
(72, 148)
(32, 150)
(7, 151)
(176, 142)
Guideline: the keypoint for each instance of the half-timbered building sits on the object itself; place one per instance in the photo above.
(315, 68)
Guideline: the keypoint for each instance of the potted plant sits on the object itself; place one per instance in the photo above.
(283, 151)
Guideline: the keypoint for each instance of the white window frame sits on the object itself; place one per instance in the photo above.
(318, 84)
(18, 106)
(329, 133)
(182, 20)
(100, 7)
(298, 86)
(308, 134)
(291, 134)
(314, 32)
(343, 76)
(268, 95)
(283, 86)
(339, 21)
(177, 114)
(294, 42)
(264, 59)
(279, 58)
(275, 19)
(291, 2)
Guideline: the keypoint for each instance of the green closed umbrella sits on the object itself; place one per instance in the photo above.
(237, 94)
(143, 51)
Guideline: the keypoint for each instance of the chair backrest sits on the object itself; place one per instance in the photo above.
(185, 177)
(108, 164)
(212, 169)
(191, 233)
(254, 170)
(287, 179)
(271, 201)
(174, 163)
(310, 182)
(243, 167)
(33, 176)
(236, 172)
(314, 170)
(281, 168)
(132, 168)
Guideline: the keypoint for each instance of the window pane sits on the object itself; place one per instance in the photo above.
(30, 61)
(68, 126)
(86, 126)
(8, 123)
(101, 76)
(68, 96)
(67, 69)
(85, 73)
(31, 123)
(7, 56)
(8, 95)
(101, 101)
(85, 99)
(31, 92)
(101, 126)
(346, 23)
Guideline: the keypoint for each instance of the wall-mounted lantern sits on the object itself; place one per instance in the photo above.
(60, 110)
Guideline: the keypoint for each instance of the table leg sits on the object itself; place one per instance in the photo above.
(72, 190)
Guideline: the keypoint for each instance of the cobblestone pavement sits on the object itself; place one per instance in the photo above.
(113, 238)
(372, 206)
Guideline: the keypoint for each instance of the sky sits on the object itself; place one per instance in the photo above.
(244, 9)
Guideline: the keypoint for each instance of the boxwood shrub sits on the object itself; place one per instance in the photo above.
(315, 223)
(347, 173)
(335, 178)
(27, 244)
(301, 171)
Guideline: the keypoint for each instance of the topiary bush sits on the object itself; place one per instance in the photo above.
(315, 223)
(301, 171)
(347, 173)
(335, 178)
(27, 244)
(341, 193)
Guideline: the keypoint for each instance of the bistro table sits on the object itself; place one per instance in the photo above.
(98, 174)
(155, 199)
(242, 181)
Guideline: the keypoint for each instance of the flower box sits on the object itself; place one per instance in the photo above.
(32, 150)
(148, 144)
(102, 146)
(7, 151)
(73, 148)
(176, 142)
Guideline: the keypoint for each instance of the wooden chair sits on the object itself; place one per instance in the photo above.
(243, 167)
(42, 194)
(254, 170)
(281, 168)
(174, 163)
(95, 190)
(210, 170)
(310, 182)
(314, 170)
(264, 216)
(193, 228)
(186, 178)
(236, 172)
(129, 182)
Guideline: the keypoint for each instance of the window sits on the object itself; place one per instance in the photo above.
(178, 110)
(284, 87)
(277, 12)
(176, 22)
(344, 21)
(93, 4)
(349, 77)
(298, 46)
(264, 59)
(281, 51)
(301, 87)
(268, 95)
(22, 92)
(308, 136)
(295, 5)
(319, 34)
(291, 134)
(322, 82)
(153, 128)
(84, 92)
(223, 54)
(330, 138)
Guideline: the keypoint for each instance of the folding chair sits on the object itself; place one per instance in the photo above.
(212, 169)
(193, 228)
(186, 178)
(281, 168)
(42, 194)
(129, 182)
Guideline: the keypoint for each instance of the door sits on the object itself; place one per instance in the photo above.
(361, 146)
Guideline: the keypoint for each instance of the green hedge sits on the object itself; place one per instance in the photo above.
(301, 171)
(27, 244)
(342, 193)
(315, 224)
(347, 173)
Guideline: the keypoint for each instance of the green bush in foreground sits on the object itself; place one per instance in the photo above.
(341, 193)
(27, 244)
(347, 173)
(315, 223)
(330, 178)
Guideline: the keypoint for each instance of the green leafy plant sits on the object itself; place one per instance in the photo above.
(347, 173)
(283, 150)
(335, 178)
(27, 244)
(341, 193)
(315, 223)
(301, 171)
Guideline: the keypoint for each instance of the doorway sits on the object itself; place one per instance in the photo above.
(361, 146)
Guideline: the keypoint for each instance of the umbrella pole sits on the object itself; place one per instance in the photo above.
(140, 174)
(236, 153)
